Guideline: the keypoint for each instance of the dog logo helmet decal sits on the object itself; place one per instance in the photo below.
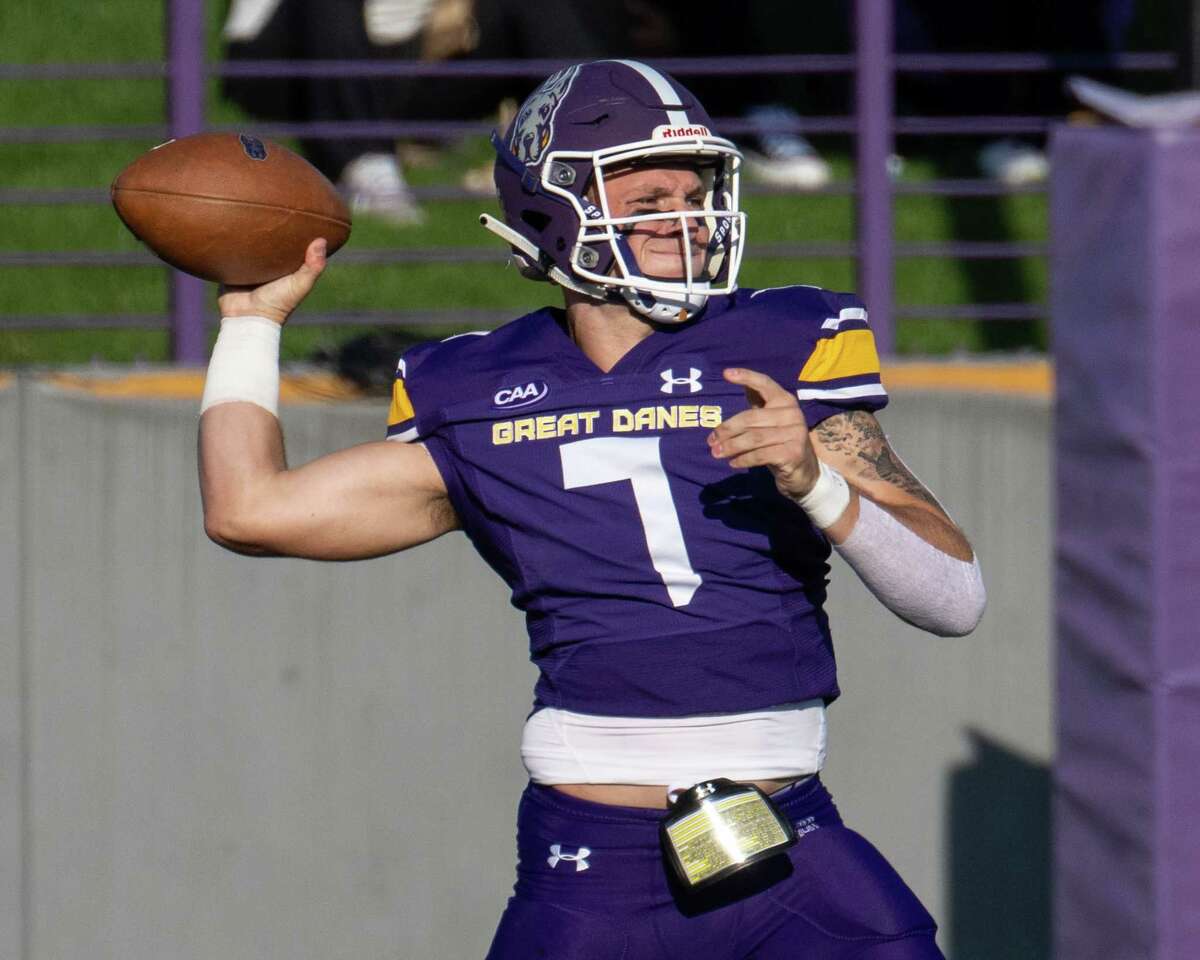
(533, 128)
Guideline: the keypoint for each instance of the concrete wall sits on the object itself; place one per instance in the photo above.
(940, 748)
(237, 758)
(233, 758)
(12, 748)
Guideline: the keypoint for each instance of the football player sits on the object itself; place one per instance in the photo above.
(658, 470)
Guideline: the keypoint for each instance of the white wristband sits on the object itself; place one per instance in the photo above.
(828, 498)
(244, 364)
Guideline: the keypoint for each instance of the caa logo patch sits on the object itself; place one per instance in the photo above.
(521, 396)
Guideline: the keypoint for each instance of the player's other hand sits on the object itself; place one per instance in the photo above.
(276, 300)
(771, 434)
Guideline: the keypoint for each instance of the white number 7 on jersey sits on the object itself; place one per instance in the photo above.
(636, 459)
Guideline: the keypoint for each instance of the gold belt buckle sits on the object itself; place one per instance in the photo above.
(719, 827)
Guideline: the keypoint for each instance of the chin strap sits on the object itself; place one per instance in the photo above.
(662, 309)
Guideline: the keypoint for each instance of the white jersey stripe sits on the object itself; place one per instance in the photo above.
(843, 393)
(846, 313)
(666, 93)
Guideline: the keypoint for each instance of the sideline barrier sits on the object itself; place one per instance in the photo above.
(1127, 294)
(235, 757)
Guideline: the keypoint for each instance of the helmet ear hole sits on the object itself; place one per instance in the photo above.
(536, 219)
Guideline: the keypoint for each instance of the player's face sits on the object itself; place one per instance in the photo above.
(658, 246)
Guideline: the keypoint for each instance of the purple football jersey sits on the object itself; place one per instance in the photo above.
(655, 579)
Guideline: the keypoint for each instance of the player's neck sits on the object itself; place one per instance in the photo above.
(605, 332)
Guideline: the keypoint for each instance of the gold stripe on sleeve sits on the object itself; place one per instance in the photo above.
(402, 408)
(849, 354)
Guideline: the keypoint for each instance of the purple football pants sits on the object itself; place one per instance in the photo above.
(592, 885)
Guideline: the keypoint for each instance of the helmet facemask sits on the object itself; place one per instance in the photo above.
(710, 237)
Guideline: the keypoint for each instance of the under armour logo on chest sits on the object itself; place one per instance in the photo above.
(579, 857)
(670, 381)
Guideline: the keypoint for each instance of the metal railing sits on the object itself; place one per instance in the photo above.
(874, 126)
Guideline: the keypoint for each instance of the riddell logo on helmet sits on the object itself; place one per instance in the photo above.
(675, 133)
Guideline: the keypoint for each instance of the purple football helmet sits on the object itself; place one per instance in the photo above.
(595, 118)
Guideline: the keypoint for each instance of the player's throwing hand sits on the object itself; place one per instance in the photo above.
(771, 434)
(276, 300)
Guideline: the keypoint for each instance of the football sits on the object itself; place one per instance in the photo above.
(229, 207)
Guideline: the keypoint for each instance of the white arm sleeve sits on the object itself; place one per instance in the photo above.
(915, 580)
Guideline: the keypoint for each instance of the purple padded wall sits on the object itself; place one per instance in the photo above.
(1125, 222)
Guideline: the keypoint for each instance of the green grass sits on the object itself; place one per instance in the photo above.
(123, 30)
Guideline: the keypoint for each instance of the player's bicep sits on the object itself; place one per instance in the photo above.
(365, 501)
(855, 445)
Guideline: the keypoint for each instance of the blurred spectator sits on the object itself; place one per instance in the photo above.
(568, 30)
(1018, 26)
(781, 157)
(368, 170)
(776, 152)
(365, 169)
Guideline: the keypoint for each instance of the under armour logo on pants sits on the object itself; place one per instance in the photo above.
(579, 857)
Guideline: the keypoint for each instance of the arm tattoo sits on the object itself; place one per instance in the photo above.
(857, 434)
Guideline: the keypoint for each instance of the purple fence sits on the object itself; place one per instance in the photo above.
(874, 125)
